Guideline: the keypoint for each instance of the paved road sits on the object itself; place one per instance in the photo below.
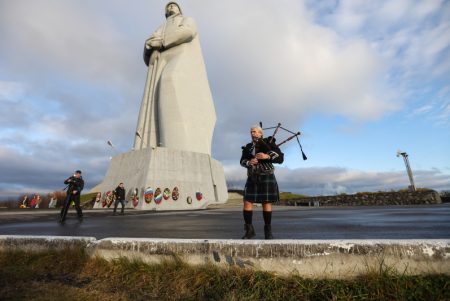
(395, 222)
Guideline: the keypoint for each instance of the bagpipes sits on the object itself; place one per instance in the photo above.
(271, 139)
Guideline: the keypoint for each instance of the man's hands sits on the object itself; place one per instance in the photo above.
(253, 161)
(262, 156)
(259, 156)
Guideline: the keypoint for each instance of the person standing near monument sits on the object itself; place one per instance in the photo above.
(261, 186)
(120, 198)
(75, 185)
(177, 90)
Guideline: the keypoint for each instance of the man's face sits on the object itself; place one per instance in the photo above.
(121, 185)
(77, 175)
(172, 9)
(255, 133)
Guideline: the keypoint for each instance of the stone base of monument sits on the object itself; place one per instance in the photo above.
(164, 179)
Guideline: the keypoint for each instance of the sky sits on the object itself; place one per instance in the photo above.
(359, 79)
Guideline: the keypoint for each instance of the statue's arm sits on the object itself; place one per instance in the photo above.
(184, 33)
(152, 43)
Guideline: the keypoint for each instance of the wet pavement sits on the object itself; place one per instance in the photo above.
(387, 222)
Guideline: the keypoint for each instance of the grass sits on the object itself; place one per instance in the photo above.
(72, 275)
(289, 196)
(87, 197)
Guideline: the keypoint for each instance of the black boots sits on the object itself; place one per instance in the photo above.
(249, 231)
(268, 232)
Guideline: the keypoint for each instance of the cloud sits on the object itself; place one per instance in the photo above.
(11, 91)
(45, 169)
(444, 115)
(290, 66)
(422, 110)
(335, 180)
(411, 38)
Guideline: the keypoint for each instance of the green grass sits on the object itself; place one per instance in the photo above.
(72, 275)
(289, 196)
(84, 198)
(87, 197)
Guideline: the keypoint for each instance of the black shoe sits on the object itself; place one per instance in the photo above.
(249, 231)
(268, 232)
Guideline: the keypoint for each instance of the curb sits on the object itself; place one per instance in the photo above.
(307, 258)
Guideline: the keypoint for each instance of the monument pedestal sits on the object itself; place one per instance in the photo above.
(164, 179)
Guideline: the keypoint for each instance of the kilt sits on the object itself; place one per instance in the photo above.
(265, 189)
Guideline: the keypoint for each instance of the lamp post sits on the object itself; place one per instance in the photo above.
(408, 169)
(112, 146)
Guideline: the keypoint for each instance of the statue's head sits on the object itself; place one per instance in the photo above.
(172, 8)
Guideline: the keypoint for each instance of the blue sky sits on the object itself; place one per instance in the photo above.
(359, 79)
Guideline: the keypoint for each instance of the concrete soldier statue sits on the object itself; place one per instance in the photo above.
(177, 109)
(170, 163)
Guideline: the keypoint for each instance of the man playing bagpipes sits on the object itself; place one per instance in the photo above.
(258, 157)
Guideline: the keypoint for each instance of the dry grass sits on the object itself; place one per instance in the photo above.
(72, 275)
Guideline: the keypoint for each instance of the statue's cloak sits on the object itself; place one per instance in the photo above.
(177, 109)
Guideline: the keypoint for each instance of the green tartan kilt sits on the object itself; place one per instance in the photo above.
(261, 189)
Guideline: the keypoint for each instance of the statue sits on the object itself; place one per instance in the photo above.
(171, 163)
(177, 109)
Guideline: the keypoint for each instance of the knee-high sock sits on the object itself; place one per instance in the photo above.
(248, 214)
(267, 215)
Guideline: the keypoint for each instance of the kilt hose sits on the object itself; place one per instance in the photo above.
(261, 189)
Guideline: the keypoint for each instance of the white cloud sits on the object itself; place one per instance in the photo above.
(422, 110)
(444, 115)
(292, 66)
(334, 180)
(11, 91)
(425, 8)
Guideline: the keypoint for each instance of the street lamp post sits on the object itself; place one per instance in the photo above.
(112, 146)
(408, 168)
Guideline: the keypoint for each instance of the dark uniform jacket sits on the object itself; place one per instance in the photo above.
(74, 184)
(263, 166)
(120, 193)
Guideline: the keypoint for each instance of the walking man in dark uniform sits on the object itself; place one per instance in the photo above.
(120, 197)
(75, 186)
(261, 185)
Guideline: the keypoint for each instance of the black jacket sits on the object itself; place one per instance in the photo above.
(271, 149)
(120, 193)
(74, 184)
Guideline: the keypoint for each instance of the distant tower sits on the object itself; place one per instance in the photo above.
(408, 169)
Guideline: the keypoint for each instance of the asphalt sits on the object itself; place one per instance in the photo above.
(388, 222)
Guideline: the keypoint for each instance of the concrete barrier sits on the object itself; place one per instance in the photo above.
(307, 258)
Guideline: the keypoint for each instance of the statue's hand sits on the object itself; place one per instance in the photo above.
(153, 43)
